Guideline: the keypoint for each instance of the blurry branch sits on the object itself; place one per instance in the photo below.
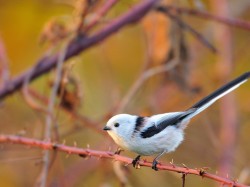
(82, 8)
(46, 145)
(83, 119)
(4, 62)
(99, 14)
(229, 119)
(145, 75)
(78, 45)
(72, 174)
(187, 27)
(49, 118)
(202, 14)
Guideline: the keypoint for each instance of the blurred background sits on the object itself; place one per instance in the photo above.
(150, 67)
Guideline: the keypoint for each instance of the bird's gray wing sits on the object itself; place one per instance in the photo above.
(168, 120)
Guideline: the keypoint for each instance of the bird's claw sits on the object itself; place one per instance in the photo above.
(154, 165)
(135, 162)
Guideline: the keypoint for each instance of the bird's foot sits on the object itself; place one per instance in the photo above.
(135, 162)
(154, 165)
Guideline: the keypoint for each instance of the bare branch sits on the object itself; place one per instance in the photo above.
(78, 45)
(87, 122)
(184, 25)
(99, 14)
(202, 14)
(141, 80)
(49, 118)
(46, 145)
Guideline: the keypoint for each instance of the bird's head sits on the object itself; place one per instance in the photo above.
(121, 126)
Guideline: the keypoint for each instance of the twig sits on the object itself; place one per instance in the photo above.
(81, 118)
(183, 179)
(46, 63)
(184, 25)
(49, 119)
(110, 155)
(144, 76)
(99, 14)
(202, 14)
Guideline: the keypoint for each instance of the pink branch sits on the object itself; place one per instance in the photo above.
(110, 155)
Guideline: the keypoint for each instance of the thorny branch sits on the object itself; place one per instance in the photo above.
(46, 145)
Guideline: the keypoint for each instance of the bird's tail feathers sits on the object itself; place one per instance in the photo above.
(210, 99)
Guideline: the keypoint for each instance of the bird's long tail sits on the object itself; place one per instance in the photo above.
(210, 99)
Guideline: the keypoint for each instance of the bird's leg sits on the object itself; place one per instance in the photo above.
(135, 161)
(155, 161)
(154, 165)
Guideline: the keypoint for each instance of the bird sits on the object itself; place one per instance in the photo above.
(161, 133)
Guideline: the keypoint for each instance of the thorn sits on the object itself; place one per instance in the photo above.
(126, 164)
(75, 144)
(109, 149)
(88, 146)
(172, 163)
(185, 166)
(64, 142)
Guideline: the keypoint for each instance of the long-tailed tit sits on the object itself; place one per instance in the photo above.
(162, 133)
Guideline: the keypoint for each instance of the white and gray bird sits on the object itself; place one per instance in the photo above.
(161, 133)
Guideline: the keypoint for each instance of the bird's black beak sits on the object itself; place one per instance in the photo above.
(106, 128)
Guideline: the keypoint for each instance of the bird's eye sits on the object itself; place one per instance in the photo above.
(116, 124)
